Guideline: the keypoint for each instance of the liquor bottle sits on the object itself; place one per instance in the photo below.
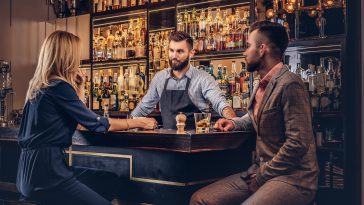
(124, 40)
(99, 6)
(202, 24)
(114, 94)
(100, 46)
(209, 22)
(126, 102)
(312, 78)
(244, 79)
(221, 81)
(121, 81)
(233, 79)
(319, 136)
(237, 100)
(126, 80)
(132, 82)
(124, 3)
(238, 32)
(246, 28)
(132, 102)
(194, 24)
(95, 97)
(330, 79)
(96, 4)
(99, 99)
(186, 19)
(133, 3)
(211, 71)
(105, 97)
(140, 82)
(180, 25)
(299, 70)
(109, 5)
(116, 4)
(130, 50)
(321, 78)
(106, 111)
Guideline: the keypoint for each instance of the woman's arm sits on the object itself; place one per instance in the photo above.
(124, 124)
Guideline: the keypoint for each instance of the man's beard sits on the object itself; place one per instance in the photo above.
(254, 66)
(179, 65)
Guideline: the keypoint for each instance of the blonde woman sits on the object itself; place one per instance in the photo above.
(52, 111)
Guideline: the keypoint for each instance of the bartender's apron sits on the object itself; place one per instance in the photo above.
(173, 102)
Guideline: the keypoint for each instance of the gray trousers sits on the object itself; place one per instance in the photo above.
(233, 190)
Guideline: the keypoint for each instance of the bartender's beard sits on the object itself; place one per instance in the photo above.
(177, 65)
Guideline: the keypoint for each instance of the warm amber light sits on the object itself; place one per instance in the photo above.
(290, 8)
(329, 2)
(292, 1)
(269, 13)
(312, 13)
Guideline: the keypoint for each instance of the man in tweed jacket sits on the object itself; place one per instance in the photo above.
(286, 170)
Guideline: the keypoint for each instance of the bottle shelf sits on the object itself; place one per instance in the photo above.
(126, 11)
(184, 4)
(162, 6)
(86, 64)
(329, 149)
(328, 114)
(218, 55)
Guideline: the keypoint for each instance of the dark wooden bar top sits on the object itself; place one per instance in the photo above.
(159, 139)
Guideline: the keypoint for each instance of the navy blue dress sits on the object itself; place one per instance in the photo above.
(48, 124)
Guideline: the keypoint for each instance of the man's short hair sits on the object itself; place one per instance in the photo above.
(179, 36)
(275, 33)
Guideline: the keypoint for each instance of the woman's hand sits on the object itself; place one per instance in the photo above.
(80, 77)
(146, 123)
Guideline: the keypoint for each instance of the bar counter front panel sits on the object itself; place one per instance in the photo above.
(154, 167)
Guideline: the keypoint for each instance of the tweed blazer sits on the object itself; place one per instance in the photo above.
(285, 145)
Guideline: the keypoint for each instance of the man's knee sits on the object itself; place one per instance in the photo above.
(201, 197)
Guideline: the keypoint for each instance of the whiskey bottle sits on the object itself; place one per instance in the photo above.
(237, 100)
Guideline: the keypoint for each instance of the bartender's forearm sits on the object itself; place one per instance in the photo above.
(228, 113)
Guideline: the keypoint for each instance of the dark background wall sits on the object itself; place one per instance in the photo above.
(24, 25)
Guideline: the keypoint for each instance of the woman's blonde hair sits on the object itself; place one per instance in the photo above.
(59, 58)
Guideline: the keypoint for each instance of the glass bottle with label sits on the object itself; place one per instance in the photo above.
(237, 101)
(321, 78)
(211, 71)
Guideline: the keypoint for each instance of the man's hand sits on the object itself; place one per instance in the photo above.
(224, 125)
(252, 183)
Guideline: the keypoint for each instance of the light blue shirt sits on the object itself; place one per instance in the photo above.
(203, 88)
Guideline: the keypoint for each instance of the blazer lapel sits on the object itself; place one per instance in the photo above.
(250, 107)
(267, 93)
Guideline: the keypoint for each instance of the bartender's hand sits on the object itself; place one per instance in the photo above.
(146, 123)
(224, 125)
(252, 183)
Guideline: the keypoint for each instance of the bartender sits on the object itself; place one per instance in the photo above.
(182, 88)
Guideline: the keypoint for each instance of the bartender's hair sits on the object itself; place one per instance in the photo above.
(179, 36)
(59, 58)
(275, 33)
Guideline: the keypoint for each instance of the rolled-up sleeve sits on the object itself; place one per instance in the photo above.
(212, 92)
(243, 123)
(66, 98)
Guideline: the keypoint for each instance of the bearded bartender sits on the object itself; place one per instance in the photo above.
(182, 88)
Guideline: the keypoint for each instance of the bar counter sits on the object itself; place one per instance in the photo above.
(154, 167)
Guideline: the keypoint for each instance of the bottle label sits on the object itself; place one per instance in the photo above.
(113, 102)
(95, 104)
(236, 102)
